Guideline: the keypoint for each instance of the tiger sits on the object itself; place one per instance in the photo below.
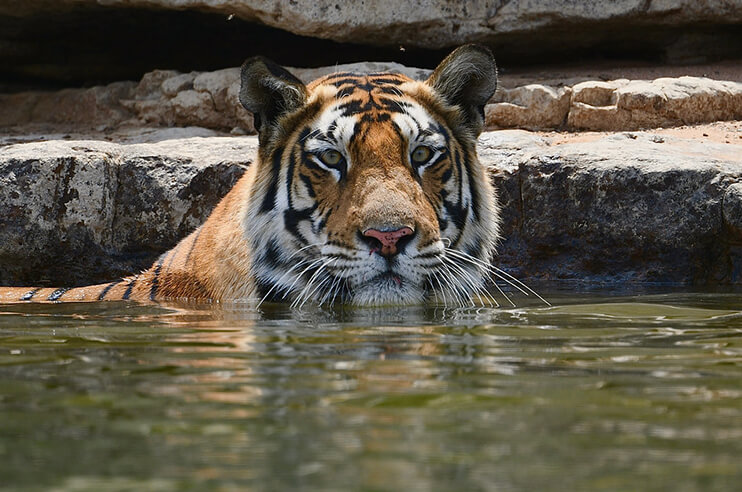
(366, 190)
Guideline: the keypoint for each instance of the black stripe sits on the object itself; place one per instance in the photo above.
(57, 294)
(29, 295)
(320, 225)
(156, 280)
(345, 92)
(375, 117)
(193, 245)
(291, 219)
(386, 80)
(456, 213)
(272, 255)
(357, 106)
(446, 175)
(173, 253)
(108, 287)
(129, 288)
(343, 79)
(396, 106)
(308, 184)
(269, 200)
(290, 179)
(460, 172)
(473, 188)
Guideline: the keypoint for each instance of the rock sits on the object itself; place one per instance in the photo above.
(533, 107)
(626, 207)
(85, 211)
(635, 104)
(171, 86)
(618, 105)
(88, 107)
(435, 24)
(210, 100)
(732, 211)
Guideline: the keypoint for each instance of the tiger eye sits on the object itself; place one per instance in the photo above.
(331, 157)
(421, 154)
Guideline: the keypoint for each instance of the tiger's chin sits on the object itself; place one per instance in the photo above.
(388, 290)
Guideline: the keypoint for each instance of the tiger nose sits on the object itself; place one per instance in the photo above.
(387, 243)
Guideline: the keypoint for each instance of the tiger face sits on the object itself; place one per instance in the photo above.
(368, 189)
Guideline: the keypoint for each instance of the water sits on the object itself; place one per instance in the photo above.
(598, 392)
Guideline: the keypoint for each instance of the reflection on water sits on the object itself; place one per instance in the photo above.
(593, 393)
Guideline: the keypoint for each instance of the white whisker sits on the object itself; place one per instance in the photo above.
(456, 288)
(311, 265)
(322, 282)
(499, 273)
(472, 282)
(513, 279)
(278, 282)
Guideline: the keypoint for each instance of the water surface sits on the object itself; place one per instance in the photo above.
(598, 392)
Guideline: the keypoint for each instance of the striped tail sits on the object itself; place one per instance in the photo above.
(170, 277)
(122, 289)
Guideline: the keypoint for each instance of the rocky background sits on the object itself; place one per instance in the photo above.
(621, 160)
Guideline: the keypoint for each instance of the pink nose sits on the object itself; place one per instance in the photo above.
(388, 239)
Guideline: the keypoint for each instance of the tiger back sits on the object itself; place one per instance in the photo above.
(367, 190)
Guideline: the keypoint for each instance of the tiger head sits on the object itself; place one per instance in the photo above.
(368, 189)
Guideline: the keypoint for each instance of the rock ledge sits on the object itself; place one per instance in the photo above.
(640, 207)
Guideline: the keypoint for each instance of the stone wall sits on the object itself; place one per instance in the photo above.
(169, 98)
(628, 207)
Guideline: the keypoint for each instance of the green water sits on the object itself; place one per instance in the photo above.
(599, 392)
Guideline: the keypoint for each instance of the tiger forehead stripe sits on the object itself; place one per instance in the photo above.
(366, 98)
(364, 79)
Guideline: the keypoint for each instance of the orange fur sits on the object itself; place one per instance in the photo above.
(371, 120)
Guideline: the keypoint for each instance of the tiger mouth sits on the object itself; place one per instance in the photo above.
(387, 278)
(387, 288)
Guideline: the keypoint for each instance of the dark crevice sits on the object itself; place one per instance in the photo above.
(98, 45)
(102, 45)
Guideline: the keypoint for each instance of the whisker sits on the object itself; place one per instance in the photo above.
(316, 274)
(480, 264)
(305, 289)
(311, 265)
(435, 294)
(513, 279)
(499, 273)
(302, 249)
(337, 290)
(336, 281)
(503, 294)
(482, 289)
(293, 267)
(475, 286)
(434, 276)
(278, 282)
(456, 288)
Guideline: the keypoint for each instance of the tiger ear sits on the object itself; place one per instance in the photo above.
(269, 91)
(467, 78)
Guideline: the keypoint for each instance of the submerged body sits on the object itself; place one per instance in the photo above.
(366, 190)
